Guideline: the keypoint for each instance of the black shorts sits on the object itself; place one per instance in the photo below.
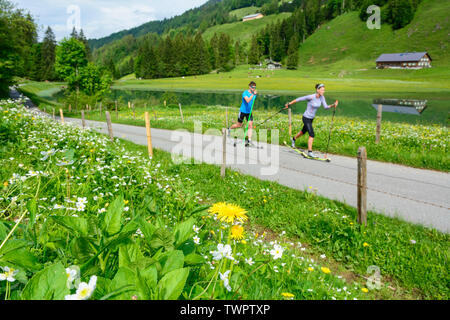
(243, 116)
(307, 127)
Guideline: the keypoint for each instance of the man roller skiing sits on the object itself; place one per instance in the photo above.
(246, 112)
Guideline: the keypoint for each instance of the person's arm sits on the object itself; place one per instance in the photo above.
(326, 106)
(249, 98)
(297, 100)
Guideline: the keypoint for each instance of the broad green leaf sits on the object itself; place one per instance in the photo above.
(3, 231)
(162, 238)
(173, 260)
(17, 252)
(147, 229)
(75, 224)
(81, 249)
(183, 232)
(129, 254)
(172, 284)
(194, 259)
(142, 286)
(48, 284)
(124, 277)
(151, 276)
(111, 223)
(32, 209)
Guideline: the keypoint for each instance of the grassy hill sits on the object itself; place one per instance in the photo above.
(243, 31)
(240, 13)
(346, 40)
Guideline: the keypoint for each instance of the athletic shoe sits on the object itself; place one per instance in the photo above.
(312, 155)
(293, 143)
(248, 143)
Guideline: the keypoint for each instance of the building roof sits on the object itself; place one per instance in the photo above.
(401, 57)
(252, 16)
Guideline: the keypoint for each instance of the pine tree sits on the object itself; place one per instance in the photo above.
(292, 61)
(74, 34)
(254, 53)
(48, 53)
(400, 13)
(83, 39)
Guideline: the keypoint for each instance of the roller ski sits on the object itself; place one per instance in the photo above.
(307, 155)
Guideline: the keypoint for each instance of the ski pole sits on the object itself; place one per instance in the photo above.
(270, 117)
(331, 128)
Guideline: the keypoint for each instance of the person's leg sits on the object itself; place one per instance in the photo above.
(310, 143)
(236, 125)
(311, 137)
(250, 130)
(239, 123)
(299, 135)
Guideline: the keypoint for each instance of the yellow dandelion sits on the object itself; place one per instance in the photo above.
(212, 232)
(366, 244)
(288, 295)
(5, 184)
(325, 270)
(365, 290)
(228, 212)
(237, 232)
(92, 151)
(126, 201)
(244, 242)
(311, 269)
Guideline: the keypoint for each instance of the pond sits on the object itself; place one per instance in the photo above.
(421, 110)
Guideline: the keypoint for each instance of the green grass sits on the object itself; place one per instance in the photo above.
(240, 13)
(243, 31)
(346, 38)
(304, 80)
(42, 93)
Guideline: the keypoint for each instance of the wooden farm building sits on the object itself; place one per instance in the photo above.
(407, 60)
(253, 17)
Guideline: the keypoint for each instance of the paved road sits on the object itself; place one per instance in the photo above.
(415, 195)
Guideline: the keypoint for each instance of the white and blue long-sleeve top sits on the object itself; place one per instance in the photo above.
(313, 105)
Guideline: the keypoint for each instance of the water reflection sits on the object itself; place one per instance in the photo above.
(405, 106)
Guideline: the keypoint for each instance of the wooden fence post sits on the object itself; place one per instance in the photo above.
(149, 134)
(62, 115)
(362, 186)
(70, 108)
(224, 153)
(290, 122)
(129, 105)
(226, 116)
(181, 113)
(379, 116)
(108, 121)
(83, 121)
